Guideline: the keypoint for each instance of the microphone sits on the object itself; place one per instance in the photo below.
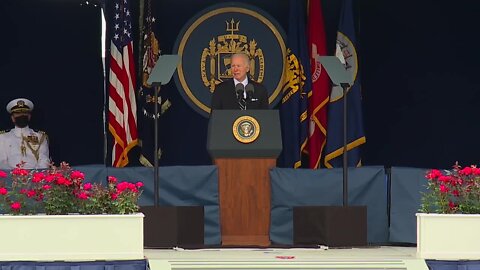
(239, 89)
(249, 89)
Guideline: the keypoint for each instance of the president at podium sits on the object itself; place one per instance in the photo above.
(240, 93)
(244, 140)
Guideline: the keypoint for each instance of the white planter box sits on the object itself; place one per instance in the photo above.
(448, 236)
(71, 237)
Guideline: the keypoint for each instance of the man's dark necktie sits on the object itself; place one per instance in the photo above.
(239, 90)
(242, 103)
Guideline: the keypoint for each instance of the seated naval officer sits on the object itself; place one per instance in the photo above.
(21, 144)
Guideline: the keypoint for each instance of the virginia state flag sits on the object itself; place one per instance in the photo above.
(293, 109)
(346, 52)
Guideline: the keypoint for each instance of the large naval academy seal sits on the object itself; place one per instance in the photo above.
(246, 129)
(207, 42)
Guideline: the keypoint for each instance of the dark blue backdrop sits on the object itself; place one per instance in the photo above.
(51, 54)
(420, 86)
(418, 60)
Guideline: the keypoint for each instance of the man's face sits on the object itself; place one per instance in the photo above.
(19, 114)
(239, 68)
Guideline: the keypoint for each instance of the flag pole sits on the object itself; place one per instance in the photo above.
(155, 152)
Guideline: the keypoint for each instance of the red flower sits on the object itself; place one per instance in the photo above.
(451, 205)
(123, 186)
(3, 174)
(444, 189)
(49, 178)
(455, 193)
(46, 187)
(444, 179)
(15, 206)
(3, 191)
(87, 186)
(30, 193)
(114, 196)
(139, 184)
(476, 171)
(77, 175)
(466, 171)
(82, 196)
(112, 179)
(19, 172)
(433, 174)
(63, 181)
(38, 177)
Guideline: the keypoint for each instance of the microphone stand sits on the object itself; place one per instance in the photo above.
(158, 222)
(353, 218)
(345, 149)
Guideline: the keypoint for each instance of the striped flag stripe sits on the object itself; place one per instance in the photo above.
(122, 121)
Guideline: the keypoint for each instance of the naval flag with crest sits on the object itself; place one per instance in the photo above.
(294, 105)
(347, 53)
(319, 96)
(146, 95)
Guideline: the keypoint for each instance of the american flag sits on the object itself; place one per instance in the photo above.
(122, 120)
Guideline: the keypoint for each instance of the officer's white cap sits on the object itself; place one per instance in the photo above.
(19, 105)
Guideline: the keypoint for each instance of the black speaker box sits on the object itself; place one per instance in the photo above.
(333, 226)
(173, 226)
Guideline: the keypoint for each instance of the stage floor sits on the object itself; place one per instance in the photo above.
(384, 257)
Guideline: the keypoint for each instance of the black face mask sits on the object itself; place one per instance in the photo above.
(21, 121)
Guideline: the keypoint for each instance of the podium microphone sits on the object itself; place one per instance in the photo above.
(239, 89)
(249, 89)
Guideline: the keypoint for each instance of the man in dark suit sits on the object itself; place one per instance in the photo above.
(227, 96)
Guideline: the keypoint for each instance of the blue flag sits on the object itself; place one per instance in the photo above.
(346, 52)
(146, 94)
(296, 88)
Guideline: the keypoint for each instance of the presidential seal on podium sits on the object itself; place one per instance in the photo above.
(246, 129)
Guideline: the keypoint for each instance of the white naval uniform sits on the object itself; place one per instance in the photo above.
(24, 144)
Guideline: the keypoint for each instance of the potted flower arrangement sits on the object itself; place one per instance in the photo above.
(54, 214)
(450, 214)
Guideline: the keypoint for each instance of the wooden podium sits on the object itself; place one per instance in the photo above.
(243, 173)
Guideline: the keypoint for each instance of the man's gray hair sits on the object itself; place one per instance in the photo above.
(244, 56)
